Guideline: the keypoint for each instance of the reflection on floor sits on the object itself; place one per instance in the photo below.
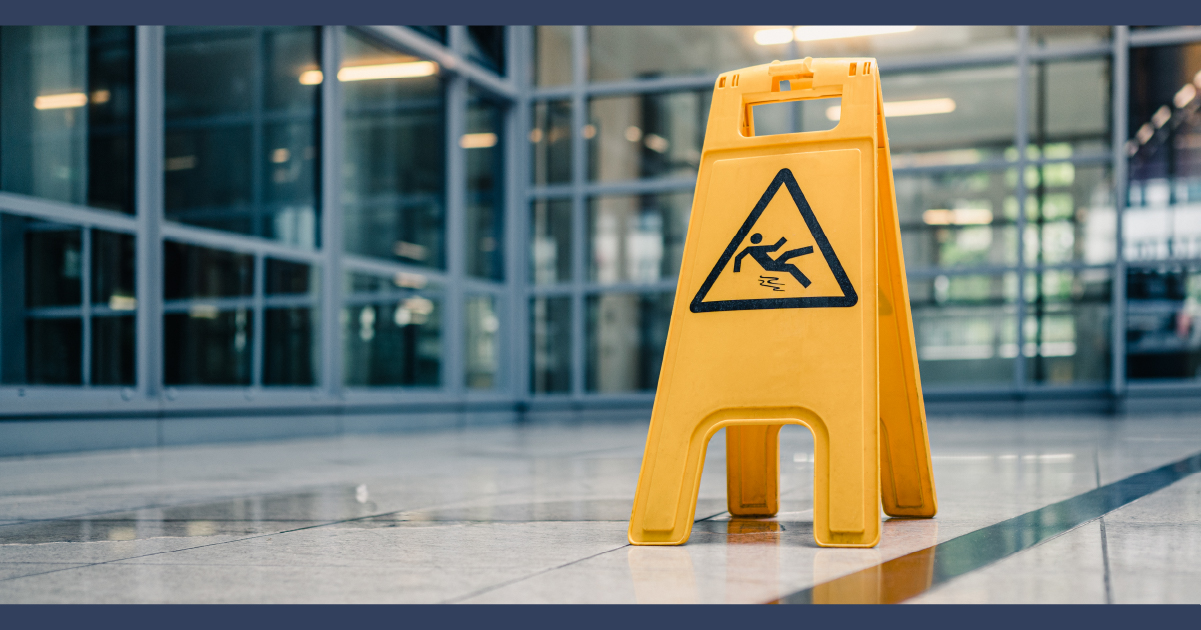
(538, 514)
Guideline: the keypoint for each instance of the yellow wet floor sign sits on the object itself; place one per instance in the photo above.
(791, 308)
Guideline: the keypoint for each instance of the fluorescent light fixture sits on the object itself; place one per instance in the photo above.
(123, 303)
(1161, 116)
(896, 109)
(960, 216)
(61, 101)
(403, 70)
(817, 33)
(478, 140)
(770, 36)
(1185, 95)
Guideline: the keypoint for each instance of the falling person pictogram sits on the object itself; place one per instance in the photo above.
(761, 255)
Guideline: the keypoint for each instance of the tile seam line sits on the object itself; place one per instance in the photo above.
(1178, 470)
(489, 589)
(225, 542)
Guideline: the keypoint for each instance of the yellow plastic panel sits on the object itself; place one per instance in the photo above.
(779, 318)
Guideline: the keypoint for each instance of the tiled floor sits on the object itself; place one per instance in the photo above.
(538, 514)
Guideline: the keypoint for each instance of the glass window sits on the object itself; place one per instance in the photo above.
(289, 350)
(635, 52)
(956, 219)
(113, 262)
(1069, 107)
(392, 331)
(552, 55)
(42, 324)
(483, 342)
(395, 166)
(207, 346)
(965, 328)
(626, 336)
(241, 109)
(290, 345)
(550, 236)
(289, 278)
(53, 279)
(637, 238)
(113, 297)
(647, 135)
(1069, 214)
(486, 46)
(53, 265)
(1163, 322)
(54, 347)
(485, 187)
(67, 129)
(192, 271)
(550, 344)
(550, 135)
(113, 343)
(1163, 217)
(950, 117)
(1067, 326)
(206, 328)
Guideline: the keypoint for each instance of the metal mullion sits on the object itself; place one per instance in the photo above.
(579, 176)
(221, 304)
(411, 41)
(1070, 51)
(1158, 37)
(71, 214)
(1119, 169)
(377, 266)
(85, 305)
(993, 270)
(515, 345)
(331, 213)
(149, 63)
(1020, 143)
(630, 287)
(207, 237)
(256, 323)
(453, 323)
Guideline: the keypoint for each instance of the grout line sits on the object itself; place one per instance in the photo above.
(455, 600)
(1104, 540)
(1105, 558)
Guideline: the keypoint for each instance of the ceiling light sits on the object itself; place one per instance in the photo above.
(816, 33)
(311, 77)
(897, 109)
(1161, 116)
(1185, 95)
(960, 216)
(477, 140)
(771, 36)
(403, 70)
(61, 101)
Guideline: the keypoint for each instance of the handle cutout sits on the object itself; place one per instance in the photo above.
(781, 117)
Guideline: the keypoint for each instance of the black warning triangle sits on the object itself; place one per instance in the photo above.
(848, 297)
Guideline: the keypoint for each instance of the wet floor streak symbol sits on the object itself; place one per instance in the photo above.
(761, 254)
(771, 281)
(911, 575)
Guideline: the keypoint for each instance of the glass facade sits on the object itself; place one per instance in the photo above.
(439, 214)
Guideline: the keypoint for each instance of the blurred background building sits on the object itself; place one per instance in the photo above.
(213, 233)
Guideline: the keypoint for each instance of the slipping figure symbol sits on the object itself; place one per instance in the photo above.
(780, 263)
